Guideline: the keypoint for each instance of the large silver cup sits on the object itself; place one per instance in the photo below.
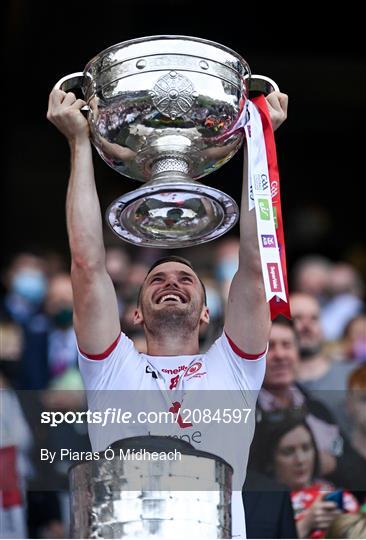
(189, 497)
(163, 110)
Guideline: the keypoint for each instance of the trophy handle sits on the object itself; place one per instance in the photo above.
(70, 82)
(259, 84)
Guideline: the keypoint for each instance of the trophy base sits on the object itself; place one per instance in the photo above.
(172, 215)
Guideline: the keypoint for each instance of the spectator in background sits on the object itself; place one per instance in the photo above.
(10, 351)
(346, 291)
(135, 279)
(280, 393)
(22, 505)
(310, 275)
(226, 263)
(62, 350)
(26, 286)
(133, 282)
(215, 304)
(118, 264)
(64, 389)
(324, 379)
(351, 468)
(286, 449)
(55, 263)
(348, 526)
(354, 339)
(338, 287)
(15, 439)
(49, 341)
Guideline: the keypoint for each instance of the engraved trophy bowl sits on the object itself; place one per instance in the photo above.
(163, 110)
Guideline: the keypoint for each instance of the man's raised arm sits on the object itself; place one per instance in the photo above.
(247, 321)
(96, 317)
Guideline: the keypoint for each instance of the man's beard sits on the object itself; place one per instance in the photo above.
(172, 321)
(309, 350)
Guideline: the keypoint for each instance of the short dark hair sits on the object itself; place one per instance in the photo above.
(284, 321)
(172, 258)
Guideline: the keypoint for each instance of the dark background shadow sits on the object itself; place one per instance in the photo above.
(316, 59)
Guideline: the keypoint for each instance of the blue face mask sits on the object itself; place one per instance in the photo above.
(30, 285)
(63, 317)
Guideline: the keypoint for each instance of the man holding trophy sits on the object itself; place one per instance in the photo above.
(172, 305)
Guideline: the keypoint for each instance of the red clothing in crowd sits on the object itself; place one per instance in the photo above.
(304, 498)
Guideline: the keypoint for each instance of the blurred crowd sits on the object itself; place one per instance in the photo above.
(310, 437)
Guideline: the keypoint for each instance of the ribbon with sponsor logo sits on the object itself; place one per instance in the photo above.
(264, 196)
(279, 304)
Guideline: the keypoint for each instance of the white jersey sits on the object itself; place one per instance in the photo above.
(228, 427)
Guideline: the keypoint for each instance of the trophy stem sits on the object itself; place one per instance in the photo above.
(172, 210)
(169, 166)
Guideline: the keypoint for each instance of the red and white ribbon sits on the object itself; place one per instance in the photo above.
(264, 196)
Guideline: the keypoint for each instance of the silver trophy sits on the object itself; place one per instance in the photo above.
(164, 110)
(189, 497)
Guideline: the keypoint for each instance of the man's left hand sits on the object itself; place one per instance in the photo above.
(277, 107)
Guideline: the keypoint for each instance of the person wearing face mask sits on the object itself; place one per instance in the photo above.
(62, 350)
(26, 284)
(50, 350)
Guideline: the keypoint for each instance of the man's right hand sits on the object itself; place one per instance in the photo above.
(64, 112)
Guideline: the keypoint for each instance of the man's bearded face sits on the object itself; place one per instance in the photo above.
(172, 297)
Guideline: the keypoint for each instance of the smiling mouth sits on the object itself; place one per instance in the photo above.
(171, 298)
